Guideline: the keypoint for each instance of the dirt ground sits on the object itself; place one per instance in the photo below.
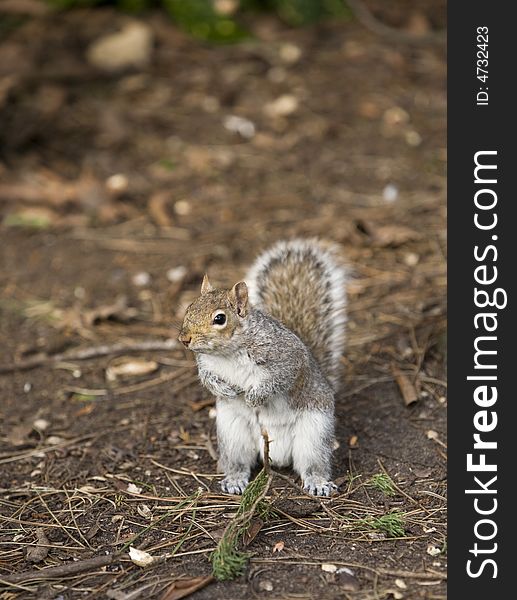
(117, 192)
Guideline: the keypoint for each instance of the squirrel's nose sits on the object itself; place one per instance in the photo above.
(185, 339)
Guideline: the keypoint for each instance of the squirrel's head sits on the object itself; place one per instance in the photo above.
(214, 317)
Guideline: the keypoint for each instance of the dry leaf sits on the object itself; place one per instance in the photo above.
(133, 489)
(39, 552)
(144, 511)
(407, 389)
(394, 235)
(41, 424)
(184, 435)
(282, 107)
(140, 558)
(252, 531)
(433, 435)
(423, 472)
(130, 47)
(184, 587)
(130, 367)
(400, 583)
(85, 410)
(197, 406)
(157, 207)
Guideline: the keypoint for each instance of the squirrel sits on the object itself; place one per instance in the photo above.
(269, 349)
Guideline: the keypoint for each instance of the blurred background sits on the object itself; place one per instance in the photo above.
(146, 142)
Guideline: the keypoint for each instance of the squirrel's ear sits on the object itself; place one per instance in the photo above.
(239, 298)
(206, 286)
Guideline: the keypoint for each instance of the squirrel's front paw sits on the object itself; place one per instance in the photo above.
(234, 485)
(318, 486)
(253, 399)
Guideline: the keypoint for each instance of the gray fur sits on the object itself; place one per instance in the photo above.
(262, 373)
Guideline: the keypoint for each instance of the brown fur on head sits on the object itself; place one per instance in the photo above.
(214, 317)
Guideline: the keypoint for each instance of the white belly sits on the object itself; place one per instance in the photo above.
(279, 421)
(275, 418)
(239, 371)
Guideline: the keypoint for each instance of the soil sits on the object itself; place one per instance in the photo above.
(117, 192)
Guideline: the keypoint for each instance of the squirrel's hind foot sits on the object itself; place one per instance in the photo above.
(318, 486)
(234, 485)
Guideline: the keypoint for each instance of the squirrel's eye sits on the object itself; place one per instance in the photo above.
(220, 319)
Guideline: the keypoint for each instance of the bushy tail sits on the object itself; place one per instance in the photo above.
(302, 283)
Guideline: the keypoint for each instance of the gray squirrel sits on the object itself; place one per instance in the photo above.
(270, 351)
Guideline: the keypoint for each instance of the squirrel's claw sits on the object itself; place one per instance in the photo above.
(234, 485)
(317, 486)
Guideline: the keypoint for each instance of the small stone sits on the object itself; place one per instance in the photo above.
(413, 138)
(290, 53)
(133, 489)
(400, 583)
(240, 125)
(176, 274)
(27, 387)
(328, 568)
(283, 106)
(117, 183)
(41, 424)
(140, 558)
(395, 116)
(130, 47)
(182, 208)
(54, 440)
(390, 193)
(265, 585)
(411, 259)
(433, 550)
(225, 7)
(141, 279)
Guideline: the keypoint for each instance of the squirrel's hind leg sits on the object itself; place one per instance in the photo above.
(312, 451)
(238, 439)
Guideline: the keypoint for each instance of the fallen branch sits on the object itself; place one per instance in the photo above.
(88, 353)
(227, 560)
(72, 568)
